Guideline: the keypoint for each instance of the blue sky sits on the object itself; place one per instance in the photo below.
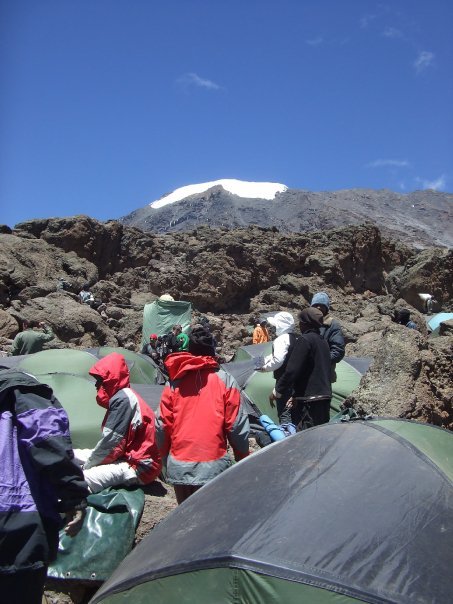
(107, 105)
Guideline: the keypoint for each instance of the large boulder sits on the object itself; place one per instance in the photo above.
(410, 377)
(30, 268)
(9, 327)
(74, 324)
(109, 246)
(428, 272)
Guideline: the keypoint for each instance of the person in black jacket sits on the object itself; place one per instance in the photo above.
(40, 480)
(307, 374)
(330, 331)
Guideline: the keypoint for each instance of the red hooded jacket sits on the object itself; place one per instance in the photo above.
(200, 412)
(128, 429)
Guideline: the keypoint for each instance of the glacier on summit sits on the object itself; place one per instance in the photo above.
(242, 188)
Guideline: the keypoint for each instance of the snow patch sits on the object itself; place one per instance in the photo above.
(242, 188)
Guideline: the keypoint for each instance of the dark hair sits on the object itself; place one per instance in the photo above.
(32, 323)
(403, 316)
(201, 342)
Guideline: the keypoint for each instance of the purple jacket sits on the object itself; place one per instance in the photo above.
(39, 477)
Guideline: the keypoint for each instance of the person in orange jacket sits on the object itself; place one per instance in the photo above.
(200, 413)
(260, 333)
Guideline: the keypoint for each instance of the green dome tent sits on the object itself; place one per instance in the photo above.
(360, 511)
(142, 370)
(257, 385)
(66, 372)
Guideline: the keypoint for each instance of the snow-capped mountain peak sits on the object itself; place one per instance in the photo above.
(242, 188)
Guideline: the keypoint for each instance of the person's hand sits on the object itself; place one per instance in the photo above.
(290, 403)
(74, 521)
(272, 399)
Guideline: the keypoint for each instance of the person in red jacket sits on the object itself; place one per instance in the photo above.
(200, 413)
(127, 453)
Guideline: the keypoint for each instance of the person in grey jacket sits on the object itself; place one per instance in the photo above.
(330, 331)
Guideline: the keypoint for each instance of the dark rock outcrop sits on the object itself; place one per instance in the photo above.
(230, 275)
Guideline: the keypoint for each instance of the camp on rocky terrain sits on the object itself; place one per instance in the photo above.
(230, 276)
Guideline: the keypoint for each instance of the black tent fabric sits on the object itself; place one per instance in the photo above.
(351, 508)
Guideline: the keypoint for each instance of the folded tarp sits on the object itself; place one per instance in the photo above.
(107, 536)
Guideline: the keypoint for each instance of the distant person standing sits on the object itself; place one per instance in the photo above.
(31, 339)
(85, 296)
(260, 333)
(173, 338)
(307, 374)
(330, 331)
(150, 348)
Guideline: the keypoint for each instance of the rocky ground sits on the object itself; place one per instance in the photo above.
(230, 276)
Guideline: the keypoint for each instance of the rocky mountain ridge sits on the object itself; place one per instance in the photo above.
(421, 218)
(231, 276)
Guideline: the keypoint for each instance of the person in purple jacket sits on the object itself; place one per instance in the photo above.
(39, 481)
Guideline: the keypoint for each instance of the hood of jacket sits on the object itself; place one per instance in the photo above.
(283, 322)
(179, 364)
(115, 375)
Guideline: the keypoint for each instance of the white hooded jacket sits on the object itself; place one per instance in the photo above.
(284, 325)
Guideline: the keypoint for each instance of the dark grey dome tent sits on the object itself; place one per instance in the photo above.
(344, 512)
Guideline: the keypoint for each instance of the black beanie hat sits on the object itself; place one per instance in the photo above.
(201, 342)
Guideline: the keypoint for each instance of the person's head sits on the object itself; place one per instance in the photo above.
(310, 318)
(176, 329)
(263, 323)
(283, 322)
(30, 324)
(111, 374)
(322, 301)
(201, 342)
(402, 316)
(86, 287)
(153, 340)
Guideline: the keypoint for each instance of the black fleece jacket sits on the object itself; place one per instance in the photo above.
(308, 369)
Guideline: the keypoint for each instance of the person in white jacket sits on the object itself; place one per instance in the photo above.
(276, 361)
